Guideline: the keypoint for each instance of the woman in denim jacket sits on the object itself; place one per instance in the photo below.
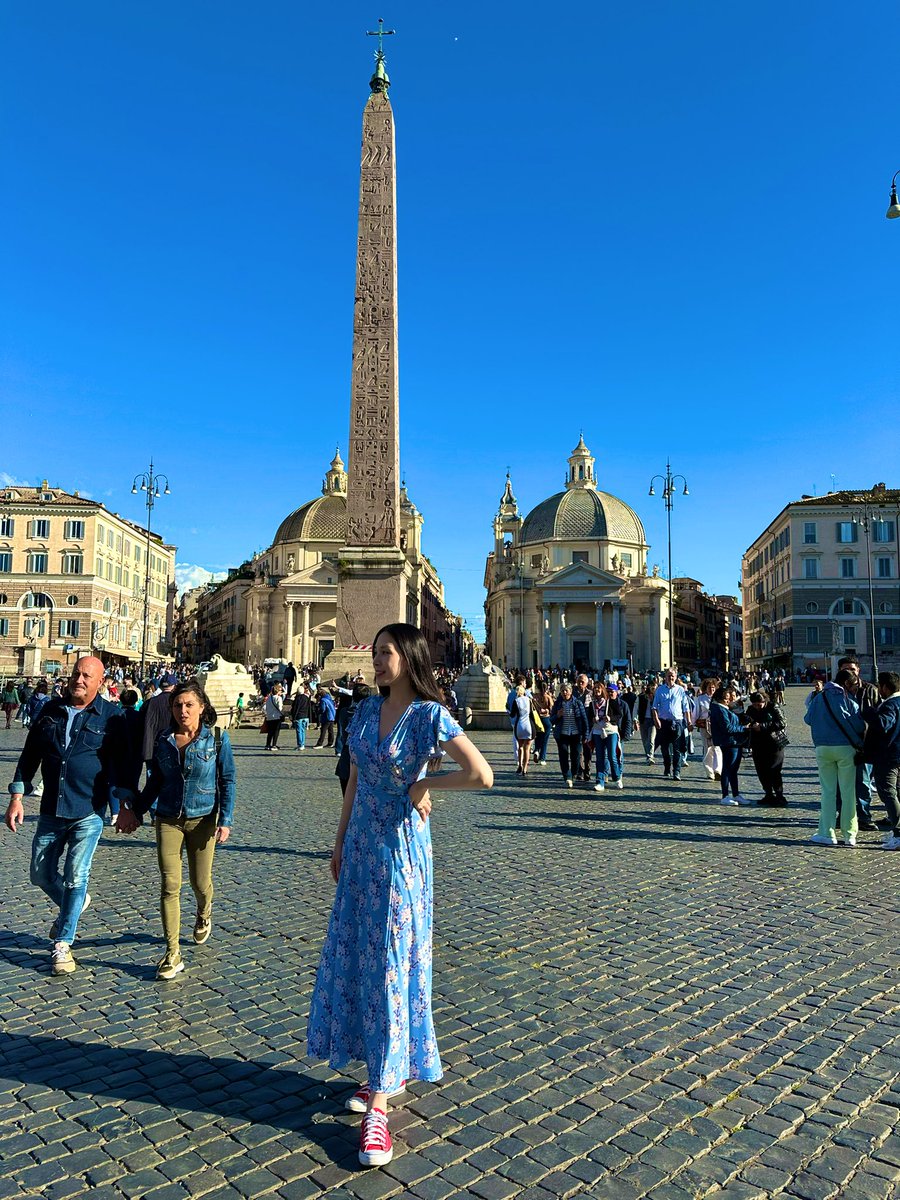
(192, 782)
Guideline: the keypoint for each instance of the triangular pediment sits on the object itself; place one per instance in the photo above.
(581, 575)
(318, 574)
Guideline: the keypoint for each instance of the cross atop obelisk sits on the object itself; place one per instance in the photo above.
(372, 588)
(381, 33)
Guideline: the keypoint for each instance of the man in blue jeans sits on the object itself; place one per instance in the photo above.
(672, 716)
(77, 743)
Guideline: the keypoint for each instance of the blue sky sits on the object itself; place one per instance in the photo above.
(661, 223)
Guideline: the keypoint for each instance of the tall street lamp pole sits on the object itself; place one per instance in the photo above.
(149, 482)
(865, 521)
(668, 482)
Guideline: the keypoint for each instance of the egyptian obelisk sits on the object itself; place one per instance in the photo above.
(374, 572)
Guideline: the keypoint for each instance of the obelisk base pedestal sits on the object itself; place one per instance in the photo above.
(372, 592)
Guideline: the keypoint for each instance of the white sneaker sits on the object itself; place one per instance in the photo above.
(599, 787)
(569, 782)
(61, 960)
(619, 785)
(729, 801)
(743, 800)
(850, 840)
(822, 839)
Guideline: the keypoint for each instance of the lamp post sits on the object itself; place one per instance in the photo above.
(865, 521)
(894, 205)
(520, 570)
(668, 492)
(149, 482)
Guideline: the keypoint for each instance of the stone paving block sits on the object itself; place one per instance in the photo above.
(373, 1185)
(434, 1188)
(813, 1187)
(299, 1189)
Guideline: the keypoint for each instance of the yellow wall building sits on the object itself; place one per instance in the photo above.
(73, 574)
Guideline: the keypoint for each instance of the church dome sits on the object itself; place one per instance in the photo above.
(323, 519)
(582, 514)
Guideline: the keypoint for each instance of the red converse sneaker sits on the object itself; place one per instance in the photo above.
(375, 1149)
(359, 1101)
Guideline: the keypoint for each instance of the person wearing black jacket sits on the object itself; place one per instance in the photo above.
(570, 727)
(766, 727)
(301, 710)
(882, 750)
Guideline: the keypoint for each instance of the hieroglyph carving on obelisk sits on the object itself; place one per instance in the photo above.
(373, 492)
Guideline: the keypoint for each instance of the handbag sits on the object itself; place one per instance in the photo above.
(858, 756)
(536, 720)
(780, 738)
(264, 728)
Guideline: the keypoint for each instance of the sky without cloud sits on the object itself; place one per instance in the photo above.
(661, 224)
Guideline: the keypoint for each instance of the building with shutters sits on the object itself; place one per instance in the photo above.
(72, 581)
(821, 581)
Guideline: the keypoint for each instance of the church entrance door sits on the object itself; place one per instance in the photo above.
(581, 655)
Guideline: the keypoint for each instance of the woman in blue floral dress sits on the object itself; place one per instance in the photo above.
(372, 998)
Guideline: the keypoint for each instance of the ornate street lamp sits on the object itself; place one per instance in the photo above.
(668, 492)
(149, 483)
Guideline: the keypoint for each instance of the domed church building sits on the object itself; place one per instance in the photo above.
(291, 603)
(568, 585)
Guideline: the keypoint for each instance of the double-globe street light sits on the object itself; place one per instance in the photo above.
(668, 481)
(149, 482)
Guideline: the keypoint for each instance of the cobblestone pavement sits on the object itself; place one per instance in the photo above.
(639, 994)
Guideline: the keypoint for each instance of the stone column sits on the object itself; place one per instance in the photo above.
(547, 642)
(562, 653)
(617, 630)
(289, 630)
(305, 649)
(599, 652)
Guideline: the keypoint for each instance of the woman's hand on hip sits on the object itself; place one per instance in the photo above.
(420, 798)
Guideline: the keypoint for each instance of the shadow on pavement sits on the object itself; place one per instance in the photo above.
(227, 1087)
(652, 833)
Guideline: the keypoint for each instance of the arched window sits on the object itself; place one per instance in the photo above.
(37, 600)
(124, 610)
(848, 606)
(107, 605)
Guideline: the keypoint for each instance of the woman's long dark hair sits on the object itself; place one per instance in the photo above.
(208, 716)
(411, 644)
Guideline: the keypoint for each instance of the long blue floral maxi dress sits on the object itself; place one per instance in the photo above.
(372, 998)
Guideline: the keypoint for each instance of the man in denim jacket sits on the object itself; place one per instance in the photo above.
(76, 742)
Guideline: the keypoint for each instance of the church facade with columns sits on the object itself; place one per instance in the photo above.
(568, 585)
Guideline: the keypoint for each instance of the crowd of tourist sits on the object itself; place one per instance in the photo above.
(102, 746)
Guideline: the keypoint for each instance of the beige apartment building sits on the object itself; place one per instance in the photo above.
(72, 581)
(822, 581)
